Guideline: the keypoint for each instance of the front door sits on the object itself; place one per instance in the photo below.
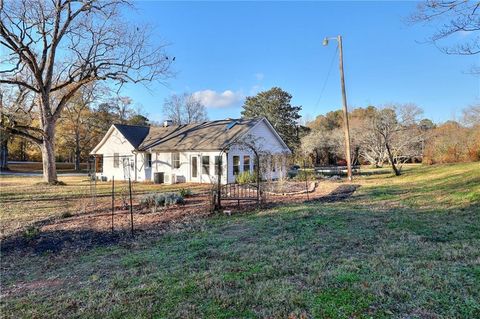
(194, 168)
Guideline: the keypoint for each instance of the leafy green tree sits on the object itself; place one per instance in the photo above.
(138, 119)
(275, 105)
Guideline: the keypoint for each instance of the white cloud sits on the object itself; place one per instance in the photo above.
(214, 99)
(259, 76)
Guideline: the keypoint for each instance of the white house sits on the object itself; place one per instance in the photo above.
(189, 153)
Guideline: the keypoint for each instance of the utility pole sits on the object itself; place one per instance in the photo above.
(346, 127)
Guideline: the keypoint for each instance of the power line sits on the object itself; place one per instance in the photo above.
(328, 76)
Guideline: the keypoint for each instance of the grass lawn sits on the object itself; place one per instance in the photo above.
(401, 247)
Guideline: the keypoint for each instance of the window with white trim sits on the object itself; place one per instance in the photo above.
(218, 165)
(246, 163)
(116, 160)
(148, 160)
(206, 165)
(176, 160)
(236, 165)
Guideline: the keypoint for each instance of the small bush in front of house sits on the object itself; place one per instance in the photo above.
(155, 200)
(185, 192)
(173, 199)
(245, 178)
(147, 200)
(159, 200)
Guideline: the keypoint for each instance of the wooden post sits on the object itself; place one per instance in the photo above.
(113, 199)
(345, 111)
(131, 204)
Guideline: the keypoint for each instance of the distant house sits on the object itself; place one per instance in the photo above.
(189, 153)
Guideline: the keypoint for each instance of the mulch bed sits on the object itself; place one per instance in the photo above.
(289, 188)
(94, 228)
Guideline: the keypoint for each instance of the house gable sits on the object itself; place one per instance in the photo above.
(267, 137)
(113, 142)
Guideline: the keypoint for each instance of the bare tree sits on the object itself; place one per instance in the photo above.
(399, 133)
(184, 109)
(53, 48)
(452, 17)
(373, 147)
(471, 115)
(123, 107)
(16, 110)
(322, 144)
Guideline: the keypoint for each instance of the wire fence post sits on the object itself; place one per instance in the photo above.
(113, 199)
(306, 178)
(95, 184)
(131, 205)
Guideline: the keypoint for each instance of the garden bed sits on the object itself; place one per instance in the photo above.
(86, 228)
(284, 188)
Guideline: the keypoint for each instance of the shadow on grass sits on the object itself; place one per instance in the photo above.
(340, 193)
(58, 240)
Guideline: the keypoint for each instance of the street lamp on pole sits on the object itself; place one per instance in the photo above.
(346, 127)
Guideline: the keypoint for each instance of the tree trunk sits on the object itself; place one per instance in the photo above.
(392, 162)
(48, 155)
(23, 147)
(4, 154)
(77, 152)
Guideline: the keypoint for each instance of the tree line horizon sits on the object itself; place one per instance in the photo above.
(410, 137)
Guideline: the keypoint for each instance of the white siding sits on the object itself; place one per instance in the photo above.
(266, 139)
(115, 143)
(163, 162)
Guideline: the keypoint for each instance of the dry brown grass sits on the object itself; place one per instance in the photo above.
(36, 167)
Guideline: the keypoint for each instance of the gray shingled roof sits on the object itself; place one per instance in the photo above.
(135, 134)
(212, 135)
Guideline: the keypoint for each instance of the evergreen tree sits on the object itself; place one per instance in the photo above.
(274, 105)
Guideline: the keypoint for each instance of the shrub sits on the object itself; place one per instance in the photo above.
(159, 200)
(245, 178)
(185, 192)
(173, 199)
(31, 232)
(147, 200)
(304, 175)
(155, 200)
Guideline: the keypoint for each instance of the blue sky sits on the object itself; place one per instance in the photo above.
(228, 50)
